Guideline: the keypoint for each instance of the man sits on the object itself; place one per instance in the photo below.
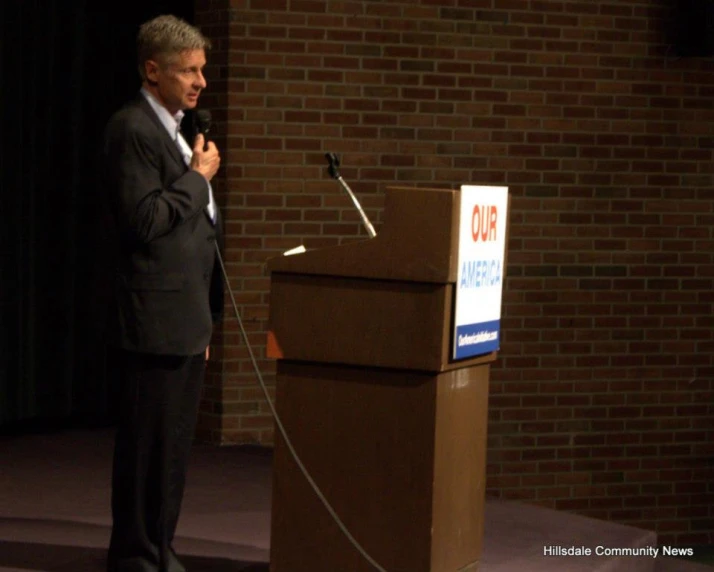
(166, 291)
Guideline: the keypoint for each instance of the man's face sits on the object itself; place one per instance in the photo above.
(178, 81)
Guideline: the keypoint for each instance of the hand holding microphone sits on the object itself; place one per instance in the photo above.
(205, 162)
(206, 159)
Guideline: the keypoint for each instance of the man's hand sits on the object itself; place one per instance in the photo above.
(205, 162)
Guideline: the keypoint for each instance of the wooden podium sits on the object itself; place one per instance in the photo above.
(391, 429)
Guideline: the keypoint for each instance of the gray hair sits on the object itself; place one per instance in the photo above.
(165, 36)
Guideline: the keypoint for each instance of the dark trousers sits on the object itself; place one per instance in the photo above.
(158, 408)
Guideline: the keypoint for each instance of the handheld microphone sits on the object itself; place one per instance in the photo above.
(203, 125)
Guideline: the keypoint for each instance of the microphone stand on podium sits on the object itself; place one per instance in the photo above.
(334, 163)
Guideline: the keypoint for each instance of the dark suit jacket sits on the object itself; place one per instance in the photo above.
(167, 289)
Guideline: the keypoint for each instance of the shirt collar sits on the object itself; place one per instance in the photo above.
(172, 123)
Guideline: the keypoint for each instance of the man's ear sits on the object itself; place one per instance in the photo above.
(151, 69)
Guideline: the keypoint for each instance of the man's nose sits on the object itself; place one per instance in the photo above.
(200, 80)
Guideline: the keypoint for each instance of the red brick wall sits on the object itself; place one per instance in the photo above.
(602, 397)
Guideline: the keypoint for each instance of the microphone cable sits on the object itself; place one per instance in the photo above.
(282, 430)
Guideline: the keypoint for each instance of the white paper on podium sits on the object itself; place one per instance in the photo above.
(297, 250)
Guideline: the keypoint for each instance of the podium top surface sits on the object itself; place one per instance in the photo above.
(417, 242)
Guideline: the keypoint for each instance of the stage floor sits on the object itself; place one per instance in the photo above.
(54, 514)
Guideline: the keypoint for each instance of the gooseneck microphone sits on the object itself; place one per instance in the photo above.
(203, 125)
(333, 166)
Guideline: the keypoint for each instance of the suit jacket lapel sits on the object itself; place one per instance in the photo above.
(169, 143)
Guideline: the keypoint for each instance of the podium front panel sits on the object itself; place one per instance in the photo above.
(372, 323)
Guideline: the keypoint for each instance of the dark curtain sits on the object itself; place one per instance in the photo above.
(66, 66)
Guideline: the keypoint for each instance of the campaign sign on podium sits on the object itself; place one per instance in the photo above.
(481, 267)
